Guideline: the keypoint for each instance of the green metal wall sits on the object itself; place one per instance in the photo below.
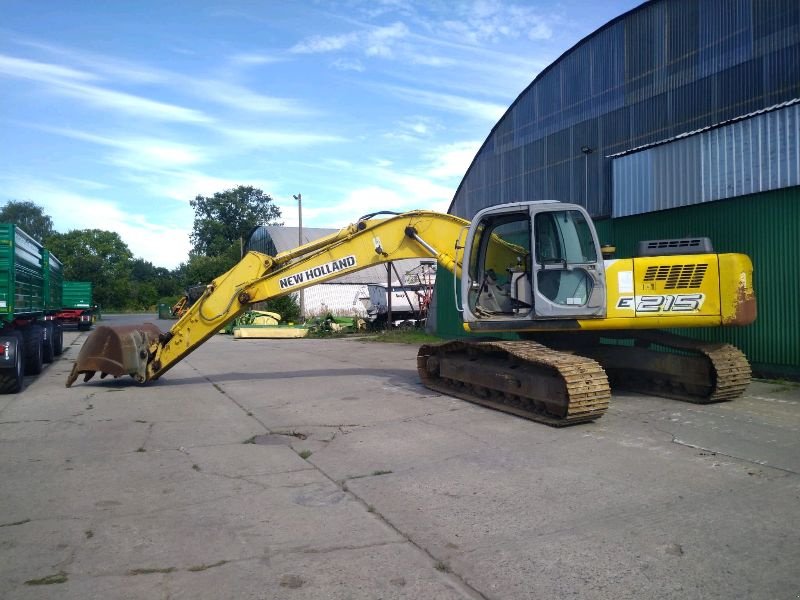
(764, 226)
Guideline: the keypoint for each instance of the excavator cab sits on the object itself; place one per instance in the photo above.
(532, 261)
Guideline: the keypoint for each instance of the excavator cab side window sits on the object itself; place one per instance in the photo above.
(565, 252)
(499, 267)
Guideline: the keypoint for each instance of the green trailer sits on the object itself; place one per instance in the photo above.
(77, 305)
(30, 335)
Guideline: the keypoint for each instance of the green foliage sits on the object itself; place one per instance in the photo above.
(203, 269)
(29, 217)
(100, 257)
(223, 219)
(286, 306)
(150, 283)
(405, 336)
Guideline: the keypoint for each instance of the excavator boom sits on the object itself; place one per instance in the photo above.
(146, 353)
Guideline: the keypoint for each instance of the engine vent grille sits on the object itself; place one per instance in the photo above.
(677, 276)
(676, 246)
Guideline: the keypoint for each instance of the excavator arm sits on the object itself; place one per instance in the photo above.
(146, 353)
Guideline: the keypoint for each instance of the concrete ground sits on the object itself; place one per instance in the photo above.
(306, 469)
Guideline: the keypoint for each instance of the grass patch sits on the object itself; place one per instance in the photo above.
(60, 577)
(304, 454)
(404, 336)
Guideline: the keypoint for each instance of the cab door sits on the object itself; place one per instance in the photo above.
(568, 271)
(532, 260)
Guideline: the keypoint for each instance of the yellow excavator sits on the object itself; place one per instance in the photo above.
(531, 268)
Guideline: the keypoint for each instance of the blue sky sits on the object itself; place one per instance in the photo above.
(114, 115)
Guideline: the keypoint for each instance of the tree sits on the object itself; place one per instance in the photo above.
(221, 220)
(202, 269)
(152, 284)
(100, 257)
(29, 217)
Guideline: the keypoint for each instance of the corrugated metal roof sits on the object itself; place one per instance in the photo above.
(708, 128)
(742, 157)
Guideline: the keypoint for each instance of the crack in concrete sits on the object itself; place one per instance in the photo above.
(15, 523)
(743, 459)
(342, 486)
(335, 548)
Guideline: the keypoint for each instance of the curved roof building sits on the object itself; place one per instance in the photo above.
(664, 69)
(678, 118)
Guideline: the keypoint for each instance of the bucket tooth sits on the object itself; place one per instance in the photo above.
(117, 351)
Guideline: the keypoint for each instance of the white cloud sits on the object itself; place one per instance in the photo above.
(241, 98)
(317, 44)
(452, 160)
(131, 105)
(450, 103)
(267, 138)
(165, 245)
(28, 69)
(185, 186)
(345, 64)
(248, 59)
(109, 67)
(492, 20)
(380, 40)
(64, 82)
(140, 153)
(373, 41)
(430, 60)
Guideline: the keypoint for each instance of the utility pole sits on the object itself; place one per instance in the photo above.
(299, 198)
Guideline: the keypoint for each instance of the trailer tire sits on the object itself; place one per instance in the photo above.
(48, 342)
(13, 380)
(33, 349)
(58, 339)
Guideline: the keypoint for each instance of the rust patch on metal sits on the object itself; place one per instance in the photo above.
(746, 310)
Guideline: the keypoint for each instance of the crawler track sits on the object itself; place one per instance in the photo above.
(672, 366)
(524, 378)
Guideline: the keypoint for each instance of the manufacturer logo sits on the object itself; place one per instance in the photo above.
(313, 273)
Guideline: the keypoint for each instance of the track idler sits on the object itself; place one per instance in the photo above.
(116, 351)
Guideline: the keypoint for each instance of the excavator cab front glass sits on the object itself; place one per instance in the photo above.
(500, 266)
(564, 246)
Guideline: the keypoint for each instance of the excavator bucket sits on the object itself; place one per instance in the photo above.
(117, 351)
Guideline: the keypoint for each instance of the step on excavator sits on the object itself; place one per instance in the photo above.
(585, 323)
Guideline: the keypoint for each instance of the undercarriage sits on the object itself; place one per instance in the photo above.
(565, 379)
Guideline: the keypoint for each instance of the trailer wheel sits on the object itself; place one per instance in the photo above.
(33, 349)
(13, 380)
(58, 339)
(48, 341)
